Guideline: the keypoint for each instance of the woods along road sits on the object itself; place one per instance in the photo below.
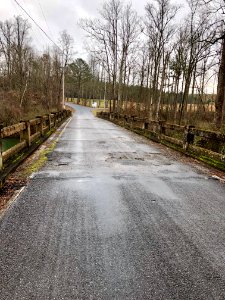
(113, 216)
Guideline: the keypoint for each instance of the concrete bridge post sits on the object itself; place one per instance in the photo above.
(27, 134)
(188, 137)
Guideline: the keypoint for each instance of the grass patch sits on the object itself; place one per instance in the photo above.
(212, 162)
(40, 160)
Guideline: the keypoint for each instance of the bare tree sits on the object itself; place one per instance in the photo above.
(128, 33)
(65, 51)
(160, 31)
(217, 8)
(29, 83)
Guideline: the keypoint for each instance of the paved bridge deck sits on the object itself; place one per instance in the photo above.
(112, 216)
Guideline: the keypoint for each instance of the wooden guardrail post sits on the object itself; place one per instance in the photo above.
(56, 119)
(41, 125)
(53, 119)
(49, 122)
(26, 133)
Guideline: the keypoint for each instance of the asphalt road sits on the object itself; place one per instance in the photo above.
(113, 216)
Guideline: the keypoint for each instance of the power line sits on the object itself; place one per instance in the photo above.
(44, 16)
(38, 25)
(37, 34)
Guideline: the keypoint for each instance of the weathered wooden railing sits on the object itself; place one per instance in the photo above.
(30, 134)
(207, 146)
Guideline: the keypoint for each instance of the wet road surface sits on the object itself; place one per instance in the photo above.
(111, 216)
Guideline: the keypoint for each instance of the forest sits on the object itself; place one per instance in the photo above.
(30, 82)
(168, 64)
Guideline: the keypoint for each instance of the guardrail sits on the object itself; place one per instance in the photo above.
(207, 146)
(30, 134)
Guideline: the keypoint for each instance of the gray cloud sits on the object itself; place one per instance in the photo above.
(60, 15)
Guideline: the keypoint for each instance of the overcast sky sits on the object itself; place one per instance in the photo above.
(56, 15)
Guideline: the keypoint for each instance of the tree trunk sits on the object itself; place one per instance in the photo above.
(165, 61)
(220, 90)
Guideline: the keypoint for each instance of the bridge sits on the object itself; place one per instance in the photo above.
(114, 216)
